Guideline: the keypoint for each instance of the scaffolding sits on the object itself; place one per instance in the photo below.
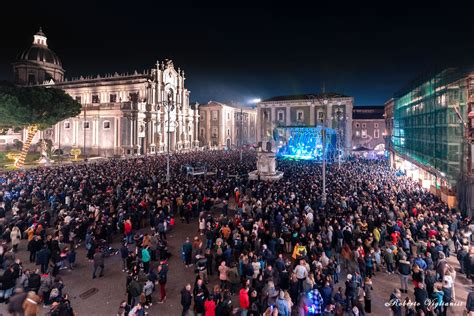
(428, 123)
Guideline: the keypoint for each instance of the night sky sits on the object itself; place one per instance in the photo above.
(240, 53)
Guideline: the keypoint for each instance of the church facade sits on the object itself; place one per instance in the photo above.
(122, 114)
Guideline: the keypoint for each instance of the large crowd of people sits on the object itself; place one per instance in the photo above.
(281, 250)
(285, 248)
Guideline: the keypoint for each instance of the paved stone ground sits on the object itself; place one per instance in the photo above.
(112, 286)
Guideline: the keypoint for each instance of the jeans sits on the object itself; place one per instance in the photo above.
(95, 270)
(244, 312)
(404, 282)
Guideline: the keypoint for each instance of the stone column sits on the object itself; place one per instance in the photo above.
(328, 115)
(311, 115)
(288, 115)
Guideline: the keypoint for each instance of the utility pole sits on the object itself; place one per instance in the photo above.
(323, 195)
(84, 131)
(241, 131)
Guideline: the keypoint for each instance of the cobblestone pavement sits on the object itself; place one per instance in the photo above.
(111, 287)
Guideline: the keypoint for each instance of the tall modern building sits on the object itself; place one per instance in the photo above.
(122, 114)
(433, 134)
(332, 110)
(226, 125)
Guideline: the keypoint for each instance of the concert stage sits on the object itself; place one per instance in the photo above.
(306, 143)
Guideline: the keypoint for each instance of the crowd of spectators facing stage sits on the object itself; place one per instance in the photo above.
(282, 251)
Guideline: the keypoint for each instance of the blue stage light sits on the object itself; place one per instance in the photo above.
(306, 143)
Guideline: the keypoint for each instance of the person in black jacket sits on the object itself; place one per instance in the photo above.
(404, 269)
(42, 258)
(186, 299)
(34, 245)
(421, 297)
(124, 252)
(34, 281)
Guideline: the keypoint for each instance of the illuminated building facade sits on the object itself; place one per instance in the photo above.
(122, 114)
(368, 125)
(330, 110)
(226, 125)
(432, 134)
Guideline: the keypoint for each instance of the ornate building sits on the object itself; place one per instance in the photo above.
(226, 125)
(122, 114)
(332, 110)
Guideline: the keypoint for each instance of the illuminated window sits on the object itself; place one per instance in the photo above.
(357, 134)
(364, 133)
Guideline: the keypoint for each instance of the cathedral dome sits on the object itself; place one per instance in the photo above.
(39, 51)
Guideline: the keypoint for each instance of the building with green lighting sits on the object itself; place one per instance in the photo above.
(431, 136)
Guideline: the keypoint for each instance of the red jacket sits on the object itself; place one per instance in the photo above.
(127, 227)
(244, 299)
(210, 308)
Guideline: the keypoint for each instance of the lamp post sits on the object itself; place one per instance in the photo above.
(169, 107)
(84, 131)
(324, 102)
(339, 137)
(241, 132)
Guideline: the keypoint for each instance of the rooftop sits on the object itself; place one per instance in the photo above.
(307, 96)
(368, 112)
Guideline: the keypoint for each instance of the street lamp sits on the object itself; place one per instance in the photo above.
(324, 102)
(168, 106)
(339, 117)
